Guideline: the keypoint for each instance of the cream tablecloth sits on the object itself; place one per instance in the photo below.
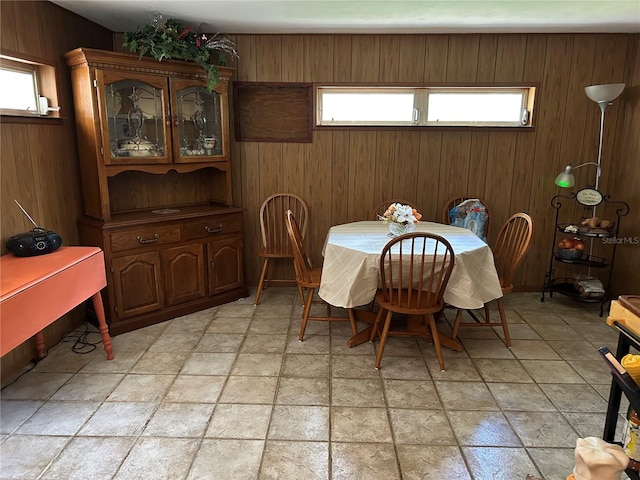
(350, 272)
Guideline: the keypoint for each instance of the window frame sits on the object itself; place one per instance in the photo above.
(421, 96)
(45, 86)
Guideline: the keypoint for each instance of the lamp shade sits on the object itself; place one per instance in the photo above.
(566, 178)
(604, 93)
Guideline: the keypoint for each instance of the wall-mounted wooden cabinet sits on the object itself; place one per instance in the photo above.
(156, 180)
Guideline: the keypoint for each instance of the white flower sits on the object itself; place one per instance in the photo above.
(399, 213)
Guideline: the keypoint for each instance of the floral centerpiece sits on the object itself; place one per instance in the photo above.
(401, 218)
(168, 39)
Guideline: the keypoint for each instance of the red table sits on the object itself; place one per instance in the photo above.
(36, 291)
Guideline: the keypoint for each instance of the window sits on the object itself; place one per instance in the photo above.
(28, 88)
(495, 106)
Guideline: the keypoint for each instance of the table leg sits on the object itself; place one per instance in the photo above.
(362, 336)
(40, 345)
(102, 322)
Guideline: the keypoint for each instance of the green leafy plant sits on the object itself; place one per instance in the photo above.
(164, 40)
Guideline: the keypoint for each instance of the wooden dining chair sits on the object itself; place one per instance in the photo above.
(275, 239)
(511, 246)
(308, 278)
(414, 272)
(457, 200)
(382, 207)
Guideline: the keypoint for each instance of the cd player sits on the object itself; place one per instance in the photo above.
(36, 242)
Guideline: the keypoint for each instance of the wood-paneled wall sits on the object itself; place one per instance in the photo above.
(39, 161)
(343, 174)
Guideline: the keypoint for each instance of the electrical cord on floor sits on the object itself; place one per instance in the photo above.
(81, 343)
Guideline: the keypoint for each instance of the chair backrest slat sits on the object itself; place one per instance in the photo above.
(511, 246)
(272, 225)
(301, 261)
(415, 269)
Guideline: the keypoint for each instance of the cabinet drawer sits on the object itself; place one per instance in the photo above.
(144, 236)
(212, 226)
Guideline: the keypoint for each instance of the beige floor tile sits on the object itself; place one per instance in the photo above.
(240, 421)
(491, 463)
(65, 360)
(574, 398)
(14, 413)
(175, 342)
(357, 424)
(137, 340)
(88, 387)
(533, 350)
(339, 346)
(482, 429)
(420, 427)
(483, 348)
(208, 364)
(270, 326)
(542, 429)
(229, 325)
(400, 347)
(576, 350)
(303, 391)
(119, 419)
(537, 316)
(278, 311)
(405, 368)
(363, 461)
(318, 344)
(502, 370)
(456, 369)
(258, 364)
(411, 394)
(429, 462)
(551, 371)
(122, 363)
(195, 323)
(58, 418)
(85, 458)
(220, 342)
(553, 462)
(592, 424)
(35, 386)
(18, 464)
(518, 331)
(303, 365)
(167, 458)
(235, 310)
(264, 344)
(227, 459)
(298, 422)
(256, 390)
(460, 395)
(592, 371)
(141, 388)
(195, 388)
(357, 392)
(295, 460)
(179, 420)
(354, 366)
(160, 363)
(557, 332)
(521, 397)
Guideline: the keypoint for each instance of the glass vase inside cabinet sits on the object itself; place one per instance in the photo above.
(199, 130)
(135, 112)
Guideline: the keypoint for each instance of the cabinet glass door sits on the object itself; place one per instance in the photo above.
(134, 110)
(199, 130)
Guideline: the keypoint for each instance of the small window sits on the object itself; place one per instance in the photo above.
(495, 106)
(28, 88)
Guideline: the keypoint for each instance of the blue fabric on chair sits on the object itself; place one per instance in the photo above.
(471, 214)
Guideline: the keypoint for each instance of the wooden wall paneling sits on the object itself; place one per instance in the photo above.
(365, 58)
(247, 62)
(269, 58)
(30, 39)
(342, 53)
(487, 55)
(293, 58)
(552, 106)
(234, 147)
(462, 59)
(428, 175)
(340, 161)
(8, 35)
(454, 165)
(362, 152)
(389, 58)
(406, 165)
(479, 166)
(511, 54)
(386, 165)
(435, 62)
(252, 200)
(412, 58)
(319, 54)
(318, 192)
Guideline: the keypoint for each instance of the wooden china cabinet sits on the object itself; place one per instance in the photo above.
(156, 181)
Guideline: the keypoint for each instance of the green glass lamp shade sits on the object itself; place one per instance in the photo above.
(566, 178)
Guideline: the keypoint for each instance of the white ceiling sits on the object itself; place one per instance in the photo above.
(374, 16)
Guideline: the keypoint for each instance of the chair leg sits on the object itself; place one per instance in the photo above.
(383, 339)
(305, 313)
(263, 276)
(503, 319)
(456, 324)
(436, 340)
(375, 328)
(301, 292)
(486, 313)
(352, 320)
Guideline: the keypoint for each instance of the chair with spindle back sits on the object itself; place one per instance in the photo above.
(456, 201)
(275, 239)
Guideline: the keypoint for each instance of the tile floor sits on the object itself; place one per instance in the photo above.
(230, 393)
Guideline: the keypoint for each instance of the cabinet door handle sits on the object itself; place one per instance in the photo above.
(167, 120)
(213, 265)
(213, 229)
(144, 241)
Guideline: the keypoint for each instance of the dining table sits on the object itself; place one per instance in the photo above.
(351, 269)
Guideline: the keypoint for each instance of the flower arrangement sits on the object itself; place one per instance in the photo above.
(168, 39)
(402, 214)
